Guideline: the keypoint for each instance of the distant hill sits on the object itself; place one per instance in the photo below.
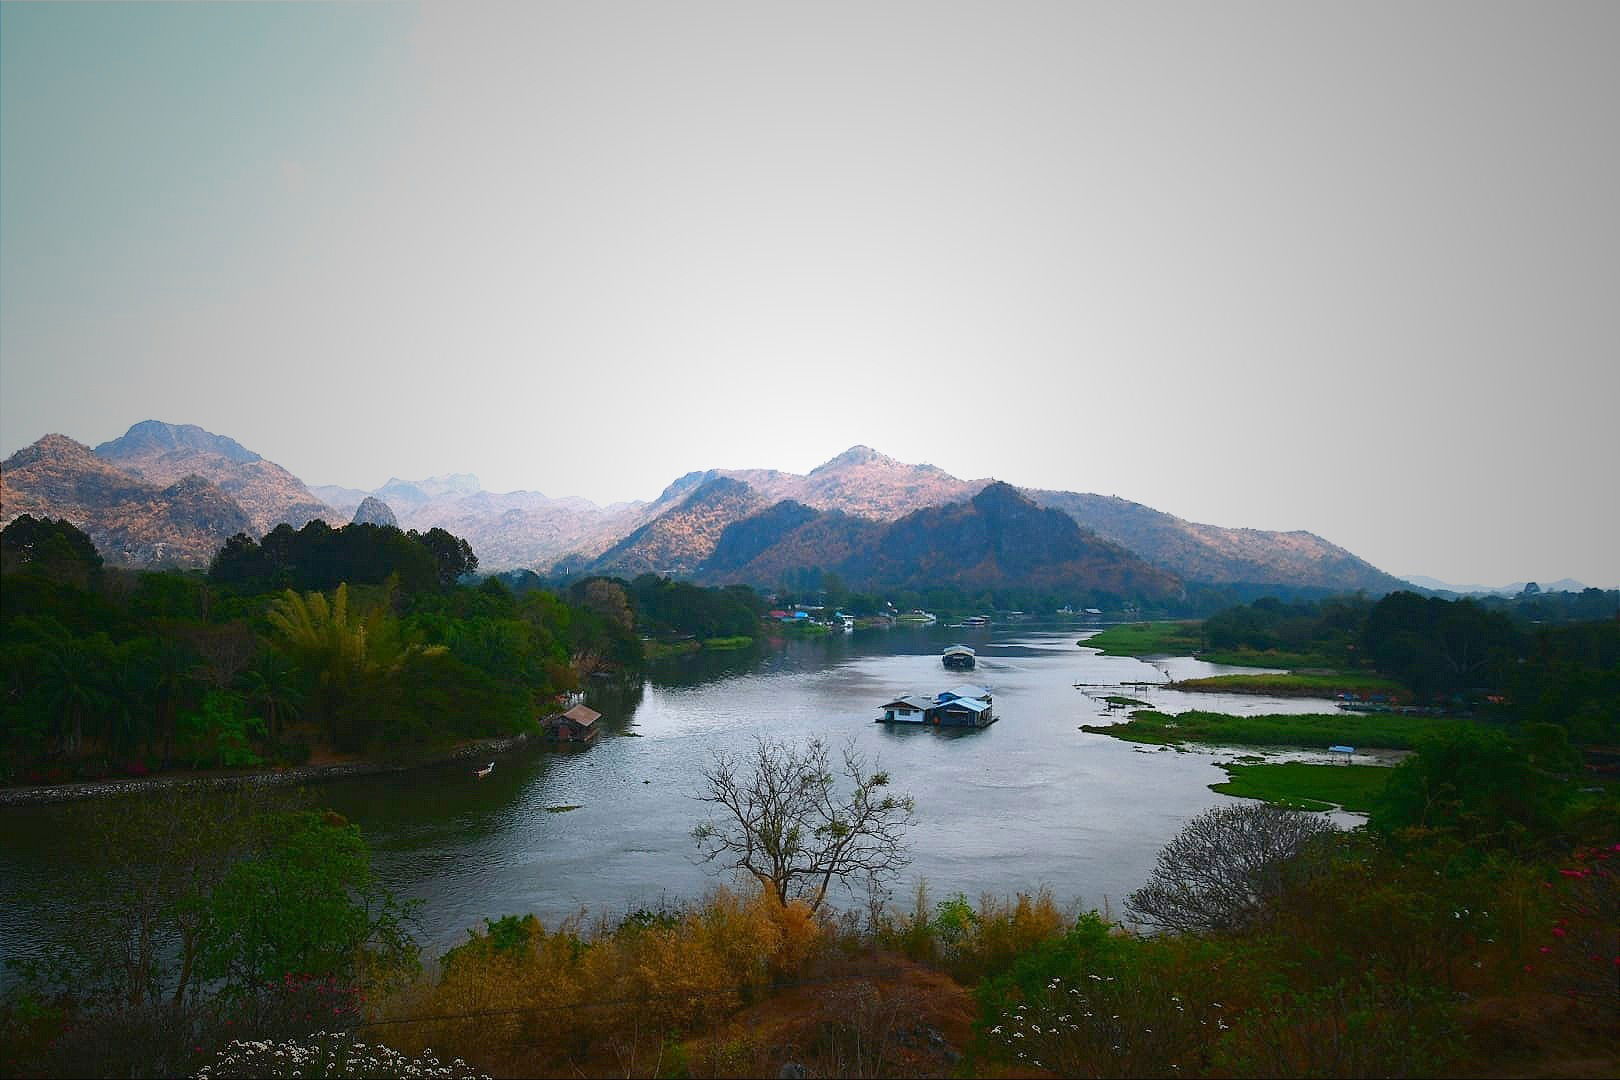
(1513, 589)
(165, 453)
(679, 539)
(997, 539)
(132, 521)
(1210, 553)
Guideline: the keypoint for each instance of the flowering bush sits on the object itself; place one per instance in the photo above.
(330, 1054)
(1582, 949)
(1110, 1025)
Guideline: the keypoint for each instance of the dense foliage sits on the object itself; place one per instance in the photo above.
(109, 672)
(319, 557)
(677, 607)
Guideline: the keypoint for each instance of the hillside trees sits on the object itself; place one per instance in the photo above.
(319, 557)
(1439, 647)
(54, 548)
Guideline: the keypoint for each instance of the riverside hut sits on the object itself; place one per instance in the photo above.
(577, 725)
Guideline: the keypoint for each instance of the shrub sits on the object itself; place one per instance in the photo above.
(1226, 864)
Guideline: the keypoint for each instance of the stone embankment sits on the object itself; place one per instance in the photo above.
(286, 777)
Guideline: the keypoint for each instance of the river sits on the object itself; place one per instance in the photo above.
(1029, 801)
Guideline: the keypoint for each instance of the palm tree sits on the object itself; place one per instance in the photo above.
(272, 685)
(338, 648)
(173, 668)
(72, 666)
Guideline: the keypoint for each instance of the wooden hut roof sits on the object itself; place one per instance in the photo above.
(583, 715)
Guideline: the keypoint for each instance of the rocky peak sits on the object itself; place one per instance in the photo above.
(373, 511)
(999, 497)
(152, 437)
(51, 447)
(855, 456)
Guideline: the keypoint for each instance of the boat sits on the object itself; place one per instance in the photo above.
(485, 771)
(959, 658)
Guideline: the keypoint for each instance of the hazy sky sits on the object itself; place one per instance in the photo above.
(1350, 268)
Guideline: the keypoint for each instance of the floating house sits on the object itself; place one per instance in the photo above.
(577, 725)
(965, 690)
(963, 712)
(959, 658)
(960, 706)
(911, 709)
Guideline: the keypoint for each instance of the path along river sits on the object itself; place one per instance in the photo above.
(1030, 800)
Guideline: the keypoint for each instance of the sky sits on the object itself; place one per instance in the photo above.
(1349, 268)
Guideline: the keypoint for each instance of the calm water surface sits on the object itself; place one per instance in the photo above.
(1031, 800)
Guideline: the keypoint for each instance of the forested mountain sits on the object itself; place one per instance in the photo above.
(997, 539)
(133, 522)
(676, 541)
(1209, 553)
(165, 453)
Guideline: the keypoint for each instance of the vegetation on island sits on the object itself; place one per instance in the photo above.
(1299, 684)
(1147, 639)
(1303, 785)
(1361, 730)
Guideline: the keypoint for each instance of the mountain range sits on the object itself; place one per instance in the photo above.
(1513, 589)
(172, 493)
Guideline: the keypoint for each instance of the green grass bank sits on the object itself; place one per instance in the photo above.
(1362, 730)
(1305, 786)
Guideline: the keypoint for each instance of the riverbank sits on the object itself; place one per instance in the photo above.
(290, 776)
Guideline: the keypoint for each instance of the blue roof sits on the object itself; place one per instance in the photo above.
(966, 690)
(973, 705)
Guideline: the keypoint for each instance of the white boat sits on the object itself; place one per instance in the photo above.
(485, 771)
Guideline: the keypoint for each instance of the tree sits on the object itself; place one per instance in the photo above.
(453, 554)
(1225, 865)
(784, 820)
(272, 686)
(306, 904)
(1482, 786)
(55, 548)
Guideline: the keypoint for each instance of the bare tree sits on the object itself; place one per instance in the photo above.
(789, 821)
(1222, 869)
